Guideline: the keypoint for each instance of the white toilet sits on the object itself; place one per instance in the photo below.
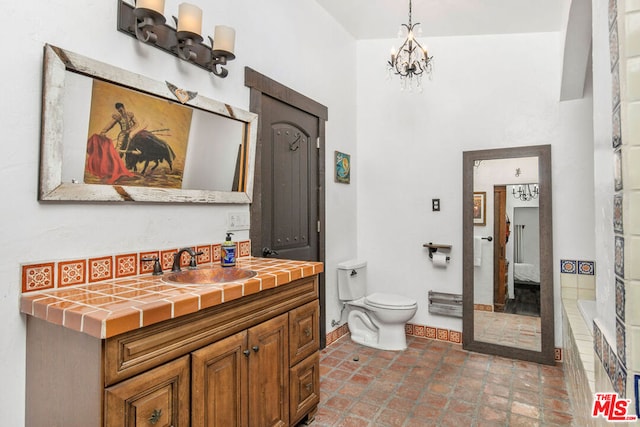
(377, 320)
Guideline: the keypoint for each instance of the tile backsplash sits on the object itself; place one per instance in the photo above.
(58, 274)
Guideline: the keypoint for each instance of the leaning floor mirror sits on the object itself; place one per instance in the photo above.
(508, 253)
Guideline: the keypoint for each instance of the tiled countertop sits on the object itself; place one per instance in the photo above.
(112, 307)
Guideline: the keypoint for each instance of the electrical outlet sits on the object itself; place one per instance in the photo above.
(435, 204)
(238, 221)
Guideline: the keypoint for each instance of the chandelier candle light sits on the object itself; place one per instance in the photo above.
(411, 60)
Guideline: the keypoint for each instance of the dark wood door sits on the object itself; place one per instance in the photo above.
(500, 291)
(289, 164)
(288, 192)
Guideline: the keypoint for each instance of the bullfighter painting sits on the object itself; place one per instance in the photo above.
(135, 139)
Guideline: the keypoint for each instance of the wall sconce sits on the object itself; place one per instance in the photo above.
(145, 21)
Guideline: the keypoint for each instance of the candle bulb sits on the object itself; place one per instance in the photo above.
(224, 39)
(189, 18)
(155, 5)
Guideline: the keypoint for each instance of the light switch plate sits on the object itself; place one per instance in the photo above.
(238, 221)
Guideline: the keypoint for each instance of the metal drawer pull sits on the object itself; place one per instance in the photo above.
(246, 353)
(155, 416)
(255, 348)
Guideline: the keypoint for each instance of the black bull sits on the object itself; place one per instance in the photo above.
(146, 147)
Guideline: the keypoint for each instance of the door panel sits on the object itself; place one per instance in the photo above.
(159, 397)
(269, 373)
(219, 383)
(289, 160)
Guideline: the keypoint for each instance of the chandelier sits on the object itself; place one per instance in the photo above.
(411, 60)
(526, 192)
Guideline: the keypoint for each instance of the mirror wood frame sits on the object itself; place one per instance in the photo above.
(547, 353)
(57, 63)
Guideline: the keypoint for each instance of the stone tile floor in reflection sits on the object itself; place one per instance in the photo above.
(435, 383)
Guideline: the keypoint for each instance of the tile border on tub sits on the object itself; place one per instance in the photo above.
(568, 266)
(587, 267)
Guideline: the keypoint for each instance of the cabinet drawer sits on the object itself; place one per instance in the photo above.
(159, 397)
(304, 332)
(304, 387)
(134, 352)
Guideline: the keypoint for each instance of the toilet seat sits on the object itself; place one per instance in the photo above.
(389, 301)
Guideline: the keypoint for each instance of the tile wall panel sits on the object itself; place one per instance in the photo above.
(577, 279)
(621, 359)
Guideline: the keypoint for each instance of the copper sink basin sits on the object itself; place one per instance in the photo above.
(209, 276)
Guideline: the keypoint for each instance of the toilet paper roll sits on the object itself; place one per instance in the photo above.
(439, 260)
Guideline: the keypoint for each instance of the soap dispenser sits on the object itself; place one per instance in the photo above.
(228, 253)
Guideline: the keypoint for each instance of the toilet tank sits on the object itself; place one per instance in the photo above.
(352, 280)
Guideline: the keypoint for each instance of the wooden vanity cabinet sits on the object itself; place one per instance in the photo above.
(241, 380)
(253, 361)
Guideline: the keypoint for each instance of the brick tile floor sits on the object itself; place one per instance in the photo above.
(435, 383)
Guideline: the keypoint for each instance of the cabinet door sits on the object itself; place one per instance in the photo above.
(269, 373)
(219, 383)
(156, 398)
(303, 332)
(304, 387)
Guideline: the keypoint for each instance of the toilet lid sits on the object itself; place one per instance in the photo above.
(389, 301)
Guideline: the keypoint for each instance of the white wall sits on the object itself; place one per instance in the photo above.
(487, 92)
(290, 41)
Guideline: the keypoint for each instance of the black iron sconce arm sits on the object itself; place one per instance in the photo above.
(150, 27)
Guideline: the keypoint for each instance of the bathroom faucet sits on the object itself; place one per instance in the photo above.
(177, 255)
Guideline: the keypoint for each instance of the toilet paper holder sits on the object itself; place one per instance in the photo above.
(433, 247)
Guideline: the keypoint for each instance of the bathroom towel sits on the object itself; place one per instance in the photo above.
(477, 251)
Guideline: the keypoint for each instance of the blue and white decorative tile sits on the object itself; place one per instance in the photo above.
(586, 267)
(568, 266)
(617, 214)
(613, 44)
(619, 256)
(617, 170)
(620, 381)
(613, 361)
(621, 342)
(613, 11)
(616, 135)
(620, 299)
(597, 341)
(606, 354)
(615, 87)
(636, 386)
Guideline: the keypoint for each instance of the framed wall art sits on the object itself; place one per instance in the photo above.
(110, 135)
(343, 167)
(480, 208)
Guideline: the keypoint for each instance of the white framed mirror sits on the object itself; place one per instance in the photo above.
(112, 135)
